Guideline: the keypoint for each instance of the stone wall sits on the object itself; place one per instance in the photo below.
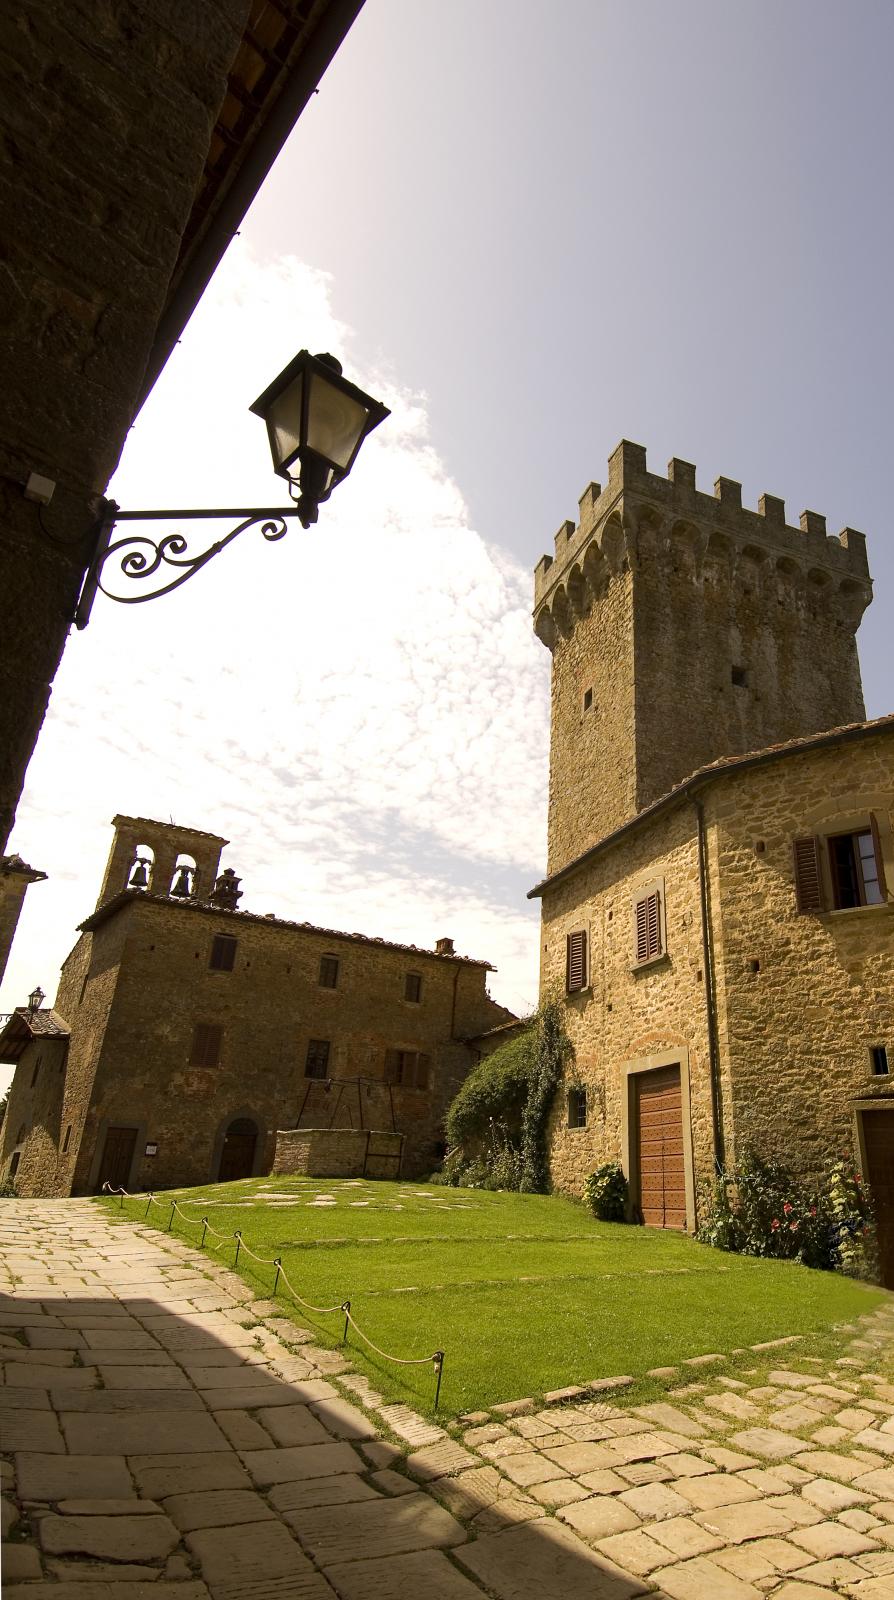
(800, 998)
(796, 1028)
(684, 628)
(15, 877)
(33, 1126)
(337, 1153)
(139, 980)
(107, 118)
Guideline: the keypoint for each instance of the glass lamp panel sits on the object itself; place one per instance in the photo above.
(284, 422)
(335, 422)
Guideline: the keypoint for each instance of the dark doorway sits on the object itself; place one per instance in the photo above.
(878, 1142)
(662, 1183)
(117, 1158)
(237, 1158)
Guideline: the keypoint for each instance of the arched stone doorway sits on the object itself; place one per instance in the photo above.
(237, 1156)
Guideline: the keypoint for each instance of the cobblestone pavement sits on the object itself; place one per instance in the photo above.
(160, 1427)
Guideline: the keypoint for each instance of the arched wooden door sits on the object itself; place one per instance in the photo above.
(237, 1158)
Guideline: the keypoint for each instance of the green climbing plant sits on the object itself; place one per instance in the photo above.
(553, 1049)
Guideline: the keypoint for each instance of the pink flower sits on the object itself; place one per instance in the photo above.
(774, 1224)
(787, 1208)
(793, 1226)
(813, 1211)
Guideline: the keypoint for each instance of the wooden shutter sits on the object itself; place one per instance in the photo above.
(421, 1071)
(808, 875)
(206, 1045)
(879, 861)
(223, 952)
(576, 961)
(648, 926)
(393, 1060)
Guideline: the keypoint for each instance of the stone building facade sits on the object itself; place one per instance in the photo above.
(136, 138)
(719, 906)
(15, 879)
(197, 1031)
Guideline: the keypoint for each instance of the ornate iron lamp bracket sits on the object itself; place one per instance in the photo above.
(166, 563)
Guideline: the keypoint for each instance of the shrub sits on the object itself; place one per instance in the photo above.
(497, 1123)
(761, 1209)
(8, 1189)
(607, 1194)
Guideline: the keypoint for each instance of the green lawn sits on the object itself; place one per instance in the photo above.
(524, 1293)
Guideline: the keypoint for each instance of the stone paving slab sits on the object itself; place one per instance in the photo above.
(211, 1433)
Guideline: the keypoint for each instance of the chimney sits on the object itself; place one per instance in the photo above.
(444, 947)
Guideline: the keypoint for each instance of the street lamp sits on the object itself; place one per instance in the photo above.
(316, 422)
(35, 1000)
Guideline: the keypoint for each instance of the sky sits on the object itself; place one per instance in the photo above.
(531, 231)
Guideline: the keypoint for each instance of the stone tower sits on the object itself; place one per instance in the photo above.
(163, 848)
(684, 628)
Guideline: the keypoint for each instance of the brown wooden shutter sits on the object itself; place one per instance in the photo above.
(393, 1060)
(808, 875)
(879, 861)
(206, 1042)
(576, 961)
(648, 927)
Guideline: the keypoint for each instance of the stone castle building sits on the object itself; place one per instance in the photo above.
(717, 907)
(187, 1034)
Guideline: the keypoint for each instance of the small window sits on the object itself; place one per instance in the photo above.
(413, 987)
(223, 952)
(576, 961)
(879, 1057)
(20, 1136)
(648, 941)
(67, 1140)
(739, 676)
(206, 1042)
(317, 1063)
(588, 699)
(408, 1068)
(36, 1073)
(14, 1163)
(577, 1108)
(328, 972)
(856, 876)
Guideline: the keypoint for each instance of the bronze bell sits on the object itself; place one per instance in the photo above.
(139, 878)
(181, 886)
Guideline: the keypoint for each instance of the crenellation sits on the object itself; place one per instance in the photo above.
(729, 493)
(772, 509)
(814, 523)
(698, 626)
(632, 491)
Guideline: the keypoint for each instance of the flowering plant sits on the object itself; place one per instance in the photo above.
(761, 1209)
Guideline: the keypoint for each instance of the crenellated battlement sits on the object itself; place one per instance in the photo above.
(639, 514)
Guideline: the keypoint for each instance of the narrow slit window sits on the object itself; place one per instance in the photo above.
(879, 1057)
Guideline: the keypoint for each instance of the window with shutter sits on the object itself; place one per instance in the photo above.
(413, 987)
(317, 1062)
(808, 875)
(328, 972)
(647, 918)
(206, 1042)
(408, 1068)
(223, 952)
(576, 961)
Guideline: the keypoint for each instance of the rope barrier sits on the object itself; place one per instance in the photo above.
(436, 1358)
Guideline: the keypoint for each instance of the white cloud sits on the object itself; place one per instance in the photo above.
(362, 709)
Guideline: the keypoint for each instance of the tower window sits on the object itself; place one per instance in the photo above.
(223, 952)
(413, 987)
(878, 1055)
(588, 699)
(317, 1063)
(67, 1140)
(206, 1042)
(649, 936)
(577, 1108)
(328, 972)
(739, 677)
(36, 1073)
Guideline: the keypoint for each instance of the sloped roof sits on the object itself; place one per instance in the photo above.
(204, 908)
(285, 50)
(25, 1025)
(721, 768)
